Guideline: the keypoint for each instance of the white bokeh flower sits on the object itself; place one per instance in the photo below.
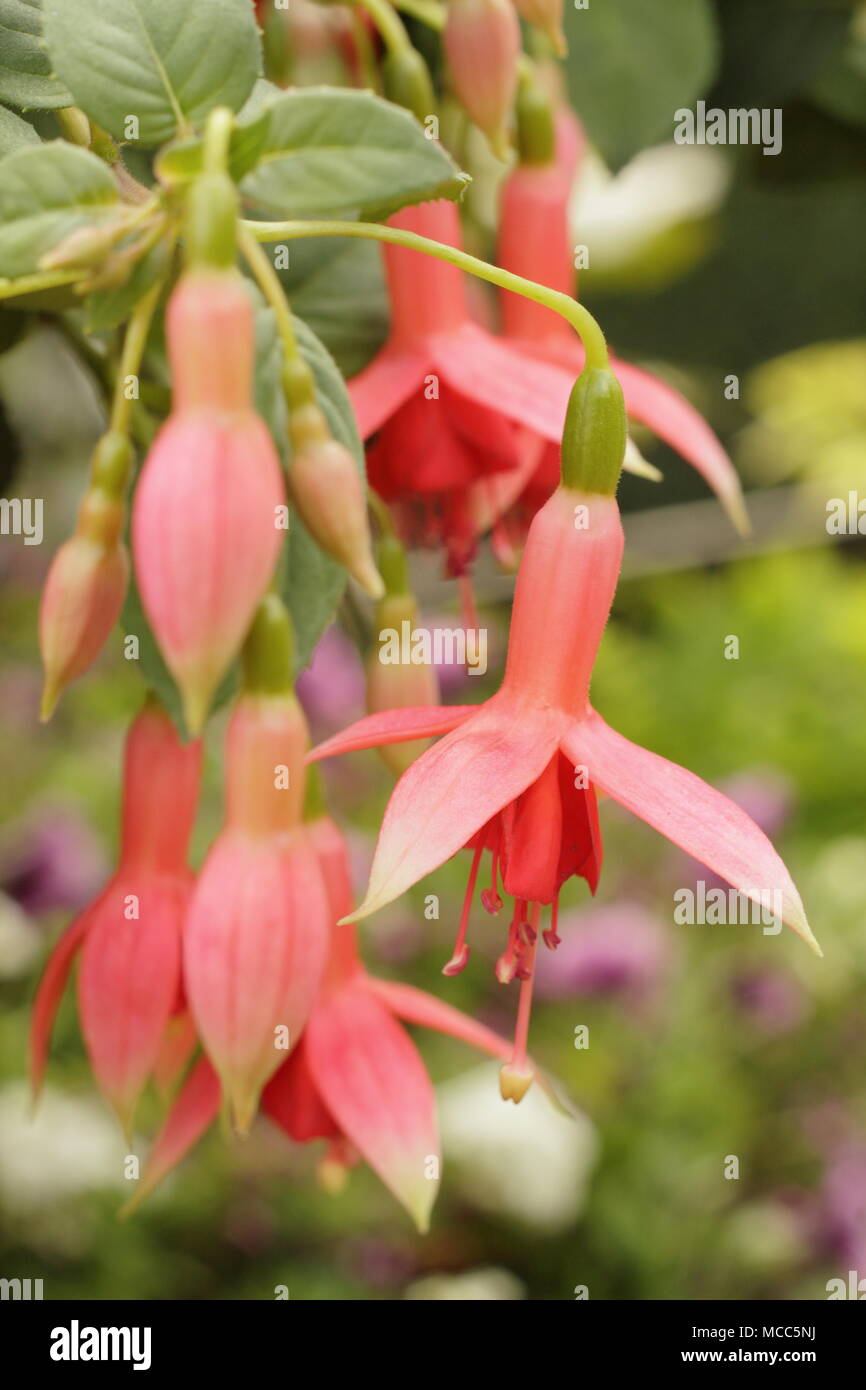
(528, 1161)
(484, 1285)
(69, 1146)
(20, 942)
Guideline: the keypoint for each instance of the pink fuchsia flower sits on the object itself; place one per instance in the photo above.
(535, 241)
(257, 929)
(765, 795)
(207, 509)
(518, 776)
(355, 1079)
(129, 939)
(440, 402)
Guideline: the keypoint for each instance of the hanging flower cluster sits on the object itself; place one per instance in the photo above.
(239, 988)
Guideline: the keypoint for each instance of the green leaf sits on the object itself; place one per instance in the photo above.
(329, 150)
(166, 62)
(632, 64)
(46, 192)
(350, 272)
(15, 133)
(25, 67)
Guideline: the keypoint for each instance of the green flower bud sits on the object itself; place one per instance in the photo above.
(406, 82)
(594, 437)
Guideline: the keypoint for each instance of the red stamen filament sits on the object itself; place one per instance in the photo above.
(524, 1007)
(551, 939)
(461, 951)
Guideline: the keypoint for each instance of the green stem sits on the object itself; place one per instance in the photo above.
(366, 52)
(217, 137)
(271, 287)
(389, 24)
(43, 280)
(130, 361)
(381, 512)
(580, 318)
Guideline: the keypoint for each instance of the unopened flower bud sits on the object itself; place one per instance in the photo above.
(205, 516)
(594, 437)
(81, 602)
(406, 82)
(482, 45)
(546, 15)
(400, 684)
(330, 496)
(86, 584)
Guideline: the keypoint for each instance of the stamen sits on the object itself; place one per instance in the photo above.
(515, 1078)
(461, 951)
(509, 963)
(332, 1171)
(490, 899)
(467, 602)
(551, 940)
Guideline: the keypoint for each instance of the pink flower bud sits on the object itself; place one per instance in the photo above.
(205, 517)
(258, 927)
(83, 596)
(329, 493)
(482, 45)
(398, 684)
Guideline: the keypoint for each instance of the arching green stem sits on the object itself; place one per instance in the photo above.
(271, 287)
(580, 318)
(130, 362)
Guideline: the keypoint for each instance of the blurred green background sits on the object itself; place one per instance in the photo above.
(706, 1043)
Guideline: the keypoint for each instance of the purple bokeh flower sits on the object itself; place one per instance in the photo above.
(605, 950)
(331, 689)
(55, 863)
(843, 1204)
(774, 1002)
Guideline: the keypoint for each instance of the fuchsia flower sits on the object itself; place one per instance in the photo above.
(534, 241)
(205, 515)
(518, 776)
(129, 984)
(441, 400)
(257, 929)
(355, 1079)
